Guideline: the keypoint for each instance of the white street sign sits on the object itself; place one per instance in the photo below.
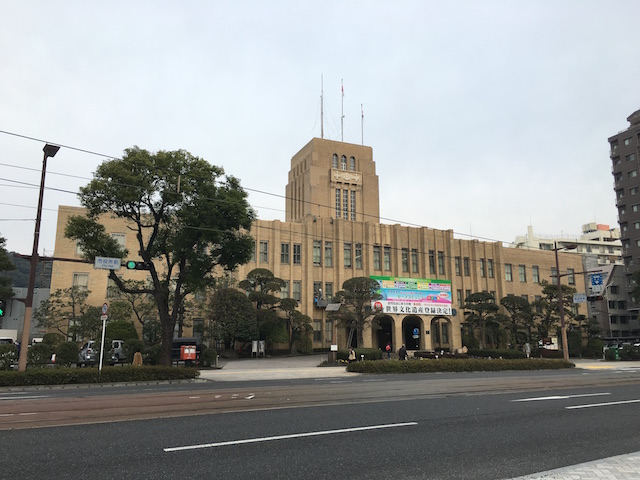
(107, 263)
(579, 297)
(103, 317)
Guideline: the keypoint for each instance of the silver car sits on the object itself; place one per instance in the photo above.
(88, 354)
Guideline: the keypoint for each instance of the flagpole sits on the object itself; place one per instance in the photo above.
(321, 106)
(342, 113)
(362, 123)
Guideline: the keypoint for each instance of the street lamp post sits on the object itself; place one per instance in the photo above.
(563, 326)
(49, 151)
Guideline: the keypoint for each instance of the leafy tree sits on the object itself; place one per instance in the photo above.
(520, 316)
(480, 309)
(66, 353)
(549, 318)
(233, 316)
(184, 217)
(121, 330)
(64, 311)
(263, 288)
(6, 264)
(298, 324)
(591, 328)
(356, 296)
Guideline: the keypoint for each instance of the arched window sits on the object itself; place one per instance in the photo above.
(352, 164)
(334, 163)
(343, 163)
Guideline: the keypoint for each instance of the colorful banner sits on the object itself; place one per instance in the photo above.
(418, 296)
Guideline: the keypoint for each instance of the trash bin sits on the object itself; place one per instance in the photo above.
(187, 352)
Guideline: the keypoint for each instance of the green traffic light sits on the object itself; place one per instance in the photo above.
(131, 265)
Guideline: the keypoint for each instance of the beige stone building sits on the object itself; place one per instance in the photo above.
(333, 233)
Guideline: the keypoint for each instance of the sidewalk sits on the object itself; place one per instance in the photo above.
(622, 467)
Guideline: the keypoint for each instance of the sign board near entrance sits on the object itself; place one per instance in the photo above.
(418, 296)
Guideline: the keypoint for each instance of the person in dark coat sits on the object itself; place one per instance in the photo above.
(402, 353)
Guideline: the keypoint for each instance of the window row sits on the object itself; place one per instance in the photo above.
(345, 204)
(343, 162)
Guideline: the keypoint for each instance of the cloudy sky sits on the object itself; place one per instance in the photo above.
(484, 116)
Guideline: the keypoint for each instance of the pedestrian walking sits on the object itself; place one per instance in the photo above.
(402, 353)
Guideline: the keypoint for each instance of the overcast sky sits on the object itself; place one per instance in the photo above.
(484, 116)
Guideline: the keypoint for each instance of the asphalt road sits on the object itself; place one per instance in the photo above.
(453, 426)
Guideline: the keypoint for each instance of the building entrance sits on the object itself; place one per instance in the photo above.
(412, 332)
(383, 331)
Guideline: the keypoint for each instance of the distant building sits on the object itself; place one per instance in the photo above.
(14, 317)
(625, 156)
(596, 239)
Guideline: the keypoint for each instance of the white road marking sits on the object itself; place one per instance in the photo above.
(560, 397)
(191, 398)
(28, 413)
(622, 402)
(284, 437)
(28, 397)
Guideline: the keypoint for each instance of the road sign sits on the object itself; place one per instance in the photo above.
(107, 263)
(105, 308)
(103, 317)
(596, 282)
(579, 297)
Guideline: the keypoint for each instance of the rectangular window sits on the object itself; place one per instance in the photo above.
(317, 291)
(441, 263)
(80, 280)
(414, 260)
(631, 157)
(328, 291)
(483, 268)
(377, 265)
(571, 276)
(317, 252)
(536, 303)
(432, 261)
(508, 274)
(535, 274)
(554, 276)
(460, 299)
(359, 256)
(264, 251)
(253, 252)
(445, 332)
(338, 204)
(284, 291)
(387, 258)
(353, 205)
(467, 270)
(79, 250)
(297, 254)
(347, 255)
(113, 291)
(297, 290)
(284, 253)
(317, 330)
(522, 273)
(405, 259)
(120, 238)
(458, 267)
(328, 331)
(345, 204)
(467, 294)
(490, 268)
(328, 254)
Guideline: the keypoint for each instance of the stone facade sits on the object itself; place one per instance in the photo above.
(323, 243)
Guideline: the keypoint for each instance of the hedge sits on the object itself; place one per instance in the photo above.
(456, 365)
(72, 376)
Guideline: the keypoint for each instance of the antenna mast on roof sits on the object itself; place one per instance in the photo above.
(321, 107)
(362, 123)
(342, 113)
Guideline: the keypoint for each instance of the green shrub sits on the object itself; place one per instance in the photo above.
(66, 376)
(612, 354)
(150, 354)
(39, 355)
(121, 330)
(131, 346)
(546, 353)
(208, 357)
(8, 355)
(66, 353)
(457, 365)
(305, 345)
(52, 339)
(496, 353)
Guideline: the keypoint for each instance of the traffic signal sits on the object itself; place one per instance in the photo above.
(594, 298)
(3, 306)
(133, 265)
